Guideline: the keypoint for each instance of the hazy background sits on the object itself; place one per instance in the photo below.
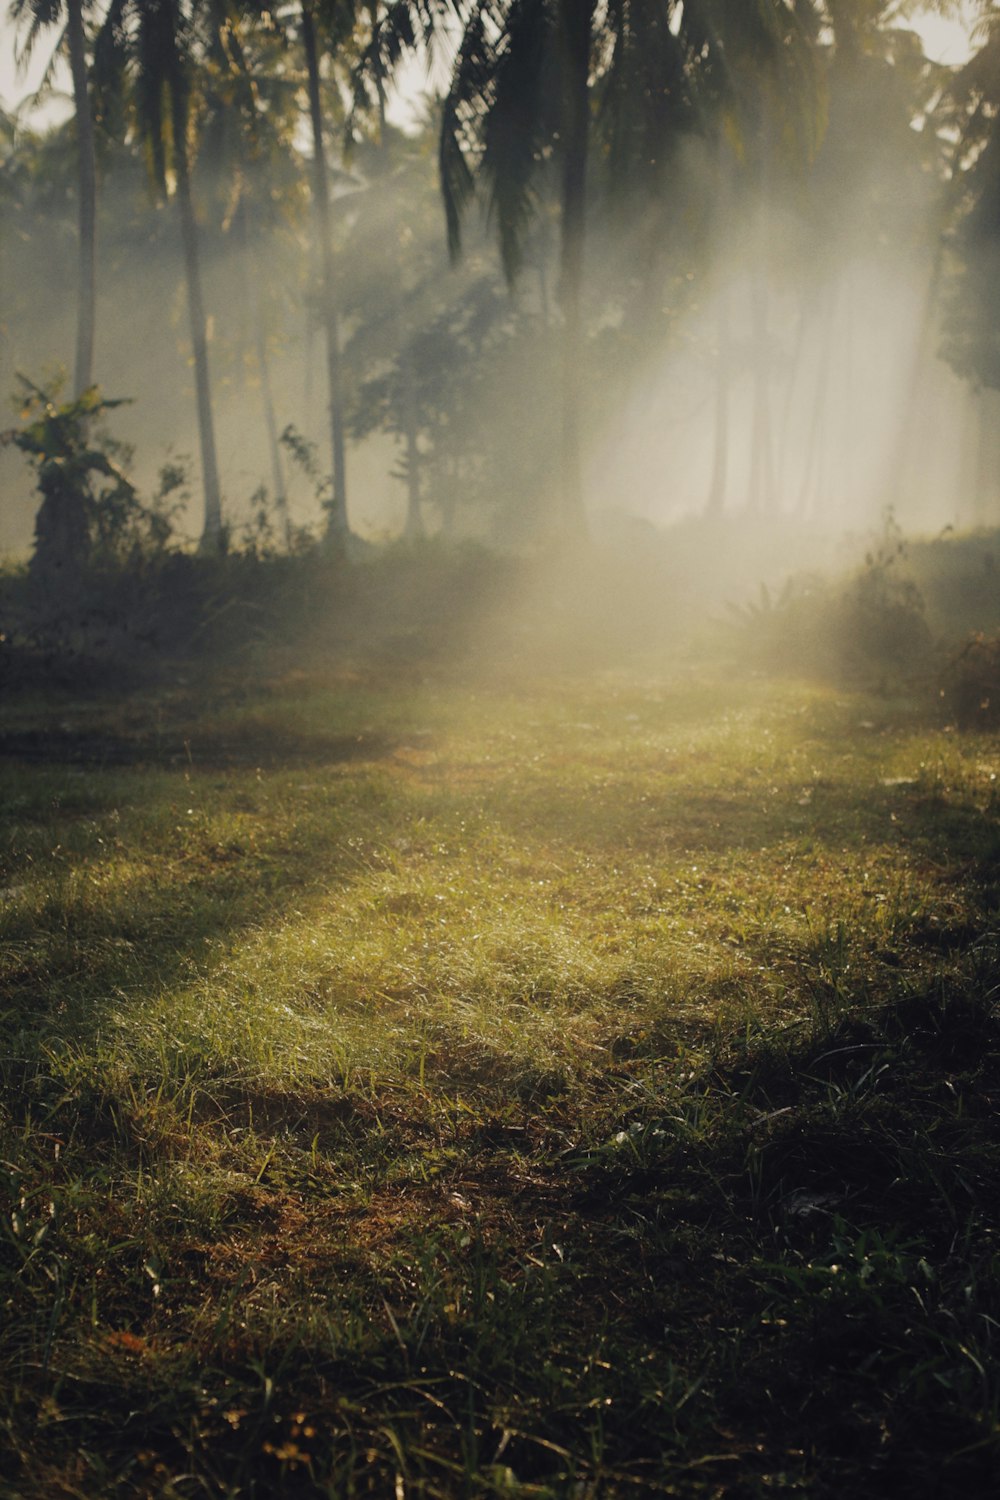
(861, 412)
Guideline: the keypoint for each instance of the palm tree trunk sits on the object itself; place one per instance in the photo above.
(379, 74)
(986, 458)
(761, 497)
(83, 372)
(337, 526)
(720, 455)
(575, 21)
(212, 530)
(414, 527)
(967, 466)
(253, 300)
(816, 441)
(278, 483)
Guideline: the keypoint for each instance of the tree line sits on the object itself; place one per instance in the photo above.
(637, 162)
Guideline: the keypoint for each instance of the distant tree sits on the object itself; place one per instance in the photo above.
(970, 263)
(394, 282)
(759, 90)
(153, 47)
(37, 16)
(544, 92)
(972, 331)
(88, 505)
(319, 20)
(879, 195)
(518, 100)
(252, 174)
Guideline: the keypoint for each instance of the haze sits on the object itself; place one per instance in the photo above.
(765, 345)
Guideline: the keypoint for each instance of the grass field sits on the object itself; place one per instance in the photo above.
(564, 1087)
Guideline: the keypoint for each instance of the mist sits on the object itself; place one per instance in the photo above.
(763, 328)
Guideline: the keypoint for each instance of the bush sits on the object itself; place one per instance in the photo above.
(869, 630)
(970, 685)
(883, 626)
(90, 515)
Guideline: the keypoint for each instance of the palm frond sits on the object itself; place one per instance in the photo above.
(518, 125)
(394, 35)
(154, 53)
(42, 14)
(462, 114)
(645, 96)
(760, 72)
(111, 50)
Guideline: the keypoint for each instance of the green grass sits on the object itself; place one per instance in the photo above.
(563, 1087)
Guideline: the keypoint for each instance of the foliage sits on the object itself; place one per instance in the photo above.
(801, 110)
(970, 327)
(89, 515)
(971, 682)
(883, 621)
(873, 628)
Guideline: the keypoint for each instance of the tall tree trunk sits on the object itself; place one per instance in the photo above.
(212, 530)
(414, 528)
(816, 435)
(921, 359)
(986, 458)
(252, 299)
(575, 23)
(83, 370)
(379, 75)
(723, 363)
(337, 526)
(278, 484)
(967, 464)
(721, 231)
(761, 499)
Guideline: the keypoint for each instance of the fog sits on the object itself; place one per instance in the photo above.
(859, 416)
(776, 354)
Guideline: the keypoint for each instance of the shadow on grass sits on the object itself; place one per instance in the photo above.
(253, 746)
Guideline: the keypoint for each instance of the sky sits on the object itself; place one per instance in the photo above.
(946, 41)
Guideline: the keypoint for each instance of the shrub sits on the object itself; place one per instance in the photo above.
(90, 514)
(869, 629)
(970, 684)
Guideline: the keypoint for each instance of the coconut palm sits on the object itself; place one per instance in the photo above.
(152, 46)
(315, 19)
(323, 26)
(251, 177)
(538, 84)
(38, 16)
(518, 102)
(762, 99)
(972, 333)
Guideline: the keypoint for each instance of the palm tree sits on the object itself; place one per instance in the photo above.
(39, 15)
(972, 307)
(879, 83)
(519, 97)
(252, 171)
(310, 12)
(537, 84)
(155, 44)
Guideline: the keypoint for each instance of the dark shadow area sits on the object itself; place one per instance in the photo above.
(271, 747)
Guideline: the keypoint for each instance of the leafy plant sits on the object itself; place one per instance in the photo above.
(882, 618)
(970, 684)
(869, 630)
(90, 513)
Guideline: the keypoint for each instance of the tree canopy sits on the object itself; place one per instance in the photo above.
(705, 182)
